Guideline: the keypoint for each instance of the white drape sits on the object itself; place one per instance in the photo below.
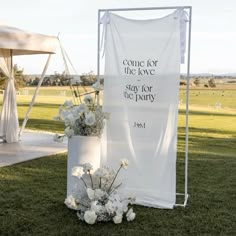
(9, 123)
(141, 82)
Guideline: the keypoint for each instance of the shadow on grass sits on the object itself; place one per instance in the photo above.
(40, 105)
(44, 125)
(206, 141)
(206, 113)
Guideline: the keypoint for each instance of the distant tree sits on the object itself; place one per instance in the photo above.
(88, 79)
(2, 80)
(197, 82)
(182, 82)
(212, 83)
(20, 80)
(19, 76)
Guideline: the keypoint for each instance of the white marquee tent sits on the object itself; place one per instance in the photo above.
(14, 42)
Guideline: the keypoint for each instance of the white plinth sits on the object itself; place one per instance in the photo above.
(81, 150)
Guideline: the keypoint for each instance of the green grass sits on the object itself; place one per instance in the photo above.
(32, 193)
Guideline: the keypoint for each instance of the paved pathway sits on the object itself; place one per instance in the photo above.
(31, 146)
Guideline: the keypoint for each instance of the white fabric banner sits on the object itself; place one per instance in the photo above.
(141, 84)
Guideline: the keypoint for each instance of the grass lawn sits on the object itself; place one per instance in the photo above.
(32, 193)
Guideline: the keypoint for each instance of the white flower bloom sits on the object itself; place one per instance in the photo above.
(63, 113)
(91, 194)
(110, 207)
(96, 86)
(58, 138)
(124, 163)
(117, 219)
(75, 112)
(130, 215)
(96, 207)
(69, 120)
(101, 173)
(82, 108)
(71, 203)
(77, 171)
(90, 118)
(132, 198)
(87, 167)
(88, 99)
(90, 217)
(69, 132)
(68, 104)
(98, 194)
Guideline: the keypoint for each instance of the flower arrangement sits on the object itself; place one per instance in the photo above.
(95, 196)
(85, 119)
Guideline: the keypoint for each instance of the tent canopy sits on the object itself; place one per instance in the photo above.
(14, 41)
(22, 42)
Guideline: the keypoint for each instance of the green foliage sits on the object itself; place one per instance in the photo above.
(19, 76)
(182, 83)
(88, 79)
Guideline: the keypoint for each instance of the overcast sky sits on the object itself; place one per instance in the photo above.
(213, 47)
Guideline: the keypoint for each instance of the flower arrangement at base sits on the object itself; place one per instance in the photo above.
(85, 119)
(95, 197)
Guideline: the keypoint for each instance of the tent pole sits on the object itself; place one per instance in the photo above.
(145, 8)
(34, 96)
(187, 111)
(98, 57)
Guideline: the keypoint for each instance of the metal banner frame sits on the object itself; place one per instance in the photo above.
(189, 8)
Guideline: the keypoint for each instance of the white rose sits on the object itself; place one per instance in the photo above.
(88, 99)
(68, 104)
(96, 86)
(69, 132)
(63, 114)
(101, 173)
(75, 112)
(71, 203)
(82, 108)
(90, 217)
(124, 163)
(91, 194)
(90, 118)
(117, 219)
(98, 194)
(87, 167)
(132, 199)
(109, 207)
(77, 171)
(130, 215)
(96, 208)
(69, 120)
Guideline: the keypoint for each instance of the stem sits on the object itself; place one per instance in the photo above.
(100, 184)
(114, 179)
(84, 182)
(91, 178)
(81, 204)
(114, 189)
(103, 202)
